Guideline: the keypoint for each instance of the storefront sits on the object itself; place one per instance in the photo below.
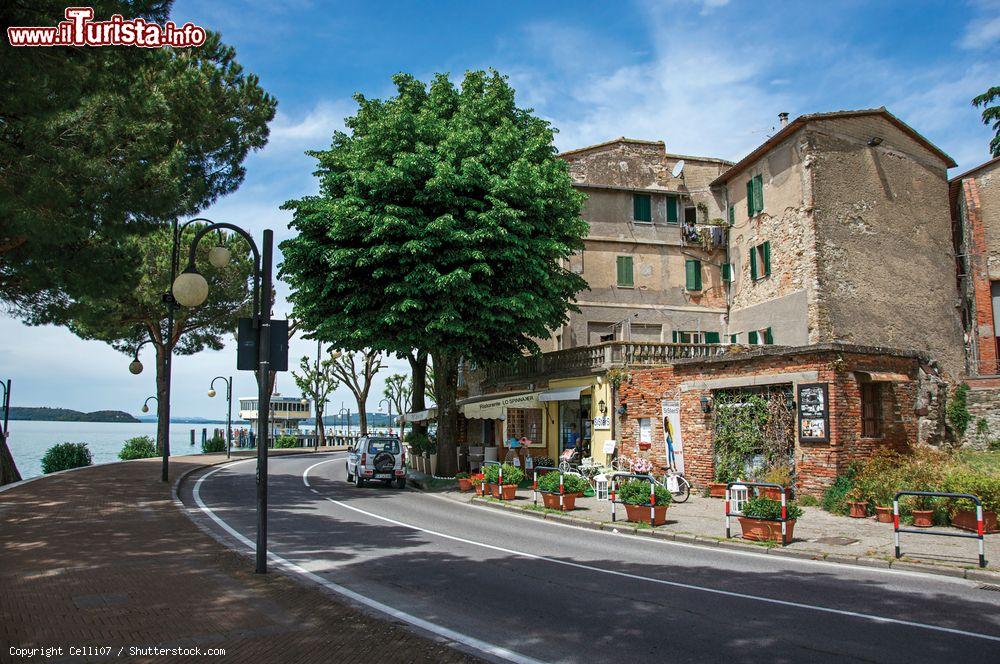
(578, 412)
(494, 419)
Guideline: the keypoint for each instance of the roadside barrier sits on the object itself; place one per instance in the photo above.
(783, 519)
(980, 526)
(652, 493)
(534, 483)
(500, 479)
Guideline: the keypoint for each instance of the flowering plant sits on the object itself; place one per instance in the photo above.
(642, 466)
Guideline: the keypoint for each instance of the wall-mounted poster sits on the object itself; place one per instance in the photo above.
(673, 442)
(814, 413)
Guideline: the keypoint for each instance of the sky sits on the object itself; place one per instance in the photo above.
(708, 77)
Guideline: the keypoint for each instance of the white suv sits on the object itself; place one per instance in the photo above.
(377, 458)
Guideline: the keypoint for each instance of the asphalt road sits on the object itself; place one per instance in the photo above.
(525, 590)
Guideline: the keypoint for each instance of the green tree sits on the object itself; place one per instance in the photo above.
(98, 144)
(124, 320)
(990, 103)
(398, 390)
(441, 224)
(316, 380)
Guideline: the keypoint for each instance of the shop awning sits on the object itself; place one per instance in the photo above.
(882, 376)
(493, 407)
(563, 394)
(420, 415)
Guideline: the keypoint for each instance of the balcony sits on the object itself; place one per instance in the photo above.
(593, 359)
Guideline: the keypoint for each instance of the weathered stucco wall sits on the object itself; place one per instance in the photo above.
(885, 258)
(988, 188)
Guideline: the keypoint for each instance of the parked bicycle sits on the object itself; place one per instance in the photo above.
(671, 479)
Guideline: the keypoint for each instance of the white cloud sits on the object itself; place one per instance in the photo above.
(981, 33)
(310, 131)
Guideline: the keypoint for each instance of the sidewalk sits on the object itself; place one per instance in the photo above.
(818, 534)
(102, 557)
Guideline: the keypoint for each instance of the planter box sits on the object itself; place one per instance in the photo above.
(505, 492)
(966, 520)
(766, 531)
(551, 501)
(717, 489)
(640, 514)
(433, 465)
(859, 510)
(883, 514)
(478, 486)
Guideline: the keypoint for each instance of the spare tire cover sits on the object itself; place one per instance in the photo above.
(384, 461)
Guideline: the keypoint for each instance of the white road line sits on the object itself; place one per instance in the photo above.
(458, 637)
(674, 584)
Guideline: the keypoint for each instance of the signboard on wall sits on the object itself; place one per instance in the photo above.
(602, 423)
(673, 441)
(814, 413)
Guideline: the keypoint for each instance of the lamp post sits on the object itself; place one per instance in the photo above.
(145, 405)
(348, 411)
(229, 411)
(190, 289)
(389, 405)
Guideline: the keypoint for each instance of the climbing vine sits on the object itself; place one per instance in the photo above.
(752, 433)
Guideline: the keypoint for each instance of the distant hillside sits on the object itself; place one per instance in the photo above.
(67, 415)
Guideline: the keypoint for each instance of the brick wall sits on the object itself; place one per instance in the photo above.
(817, 464)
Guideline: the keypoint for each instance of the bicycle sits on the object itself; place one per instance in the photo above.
(683, 491)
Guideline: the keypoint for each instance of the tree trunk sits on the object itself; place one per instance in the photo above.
(320, 434)
(8, 469)
(446, 391)
(162, 398)
(418, 373)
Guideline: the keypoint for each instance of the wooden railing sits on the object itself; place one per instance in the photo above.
(593, 359)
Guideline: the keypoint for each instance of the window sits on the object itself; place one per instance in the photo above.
(682, 337)
(727, 272)
(732, 338)
(711, 337)
(671, 209)
(645, 430)
(755, 195)
(625, 279)
(732, 215)
(760, 261)
(690, 215)
(379, 445)
(760, 337)
(642, 209)
(525, 422)
(871, 410)
(692, 271)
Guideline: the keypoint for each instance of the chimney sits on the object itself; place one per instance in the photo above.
(783, 119)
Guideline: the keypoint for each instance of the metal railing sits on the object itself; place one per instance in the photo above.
(783, 519)
(596, 358)
(980, 529)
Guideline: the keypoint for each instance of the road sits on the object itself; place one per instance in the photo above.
(513, 588)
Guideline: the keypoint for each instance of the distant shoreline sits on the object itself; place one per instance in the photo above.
(46, 414)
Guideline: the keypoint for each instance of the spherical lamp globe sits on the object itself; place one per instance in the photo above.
(190, 289)
(135, 367)
(219, 256)
(211, 393)
(145, 408)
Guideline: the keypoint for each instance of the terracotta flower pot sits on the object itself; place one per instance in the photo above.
(551, 501)
(479, 488)
(859, 510)
(717, 489)
(923, 518)
(966, 520)
(766, 531)
(505, 491)
(640, 514)
(645, 446)
(464, 484)
(883, 514)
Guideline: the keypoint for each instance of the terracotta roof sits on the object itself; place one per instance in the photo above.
(802, 120)
(975, 169)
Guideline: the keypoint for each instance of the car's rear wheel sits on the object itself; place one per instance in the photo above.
(358, 480)
(350, 478)
(400, 482)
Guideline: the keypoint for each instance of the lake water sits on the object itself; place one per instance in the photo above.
(29, 439)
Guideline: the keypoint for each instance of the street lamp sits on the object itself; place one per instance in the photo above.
(389, 403)
(229, 412)
(135, 366)
(190, 290)
(145, 405)
(348, 411)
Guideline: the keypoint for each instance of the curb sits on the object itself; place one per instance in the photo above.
(971, 574)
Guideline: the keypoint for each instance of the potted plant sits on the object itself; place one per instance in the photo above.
(573, 486)
(543, 462)
(856, 503)
(634, 494)
(491, 476)
(778, 473)
(962, 511)
(431, 457)
(510, 478)
(477, 481)
(723, 476)
(464, 483)
(760, 520)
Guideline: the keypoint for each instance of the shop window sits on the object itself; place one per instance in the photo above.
(871, 410)
(569, 424)
(525, 422)
(642, 208)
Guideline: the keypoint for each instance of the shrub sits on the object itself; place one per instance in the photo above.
(765, 508)
(809, 501)
(461, 476)
(779, 473)
(636, 492)
(837, 495)
(284, 442)
(512, 474)
(420, 443)
(572, 483)
(958, 409)
(978, 484)
(65, 456)
(140, 447)
(214, 445)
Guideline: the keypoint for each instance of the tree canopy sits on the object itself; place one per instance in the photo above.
(98, 144)
(990, 102)
(442, 223)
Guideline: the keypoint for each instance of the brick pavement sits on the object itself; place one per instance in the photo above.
(102, 557)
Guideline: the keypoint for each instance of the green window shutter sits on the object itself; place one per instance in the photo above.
(625, 271)
(768, 337)
(675, 336)
(727, 272)
(750, 197)
(760, 193)
(753, 263)
(767, 258)
(732, 338)
(711, 337)
(693, 274)
(641, 207)
(752, 337)
(671, 209)
(732, 215)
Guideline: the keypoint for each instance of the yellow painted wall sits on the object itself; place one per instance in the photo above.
(550, 414)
